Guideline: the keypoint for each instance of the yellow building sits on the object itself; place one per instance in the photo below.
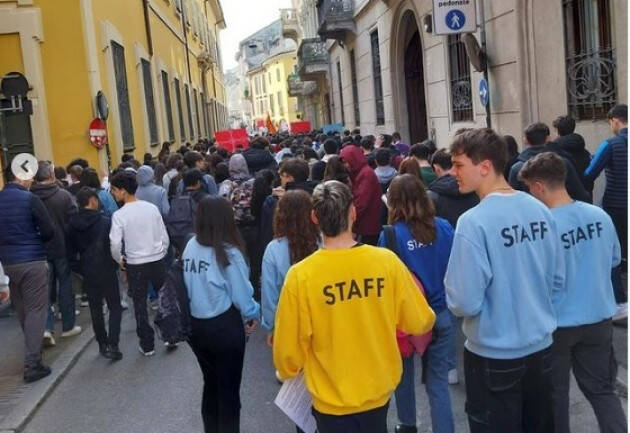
(156, 62)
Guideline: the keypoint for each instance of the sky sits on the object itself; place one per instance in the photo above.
(244, 17)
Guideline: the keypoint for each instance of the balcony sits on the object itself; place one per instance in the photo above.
(312, 59)
(297, 87)
(336, 19)
(290, 26)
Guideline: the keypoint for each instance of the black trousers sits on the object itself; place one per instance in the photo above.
(371, 421)
(588, 350)
(97, 290)
(619, 218)
(219, 345)
(139, 277)
(509, 395)
(250, 236)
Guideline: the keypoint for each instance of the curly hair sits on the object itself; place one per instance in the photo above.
(292, 220)
(408, 202)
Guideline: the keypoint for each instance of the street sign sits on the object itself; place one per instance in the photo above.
(24, 166)
(451, 17)
(98, 133)
(484, 94)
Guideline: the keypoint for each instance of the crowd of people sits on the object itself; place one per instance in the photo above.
(355, 254)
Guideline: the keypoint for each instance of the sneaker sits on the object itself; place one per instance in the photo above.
(170, 346)
(453, 377)
(84, 301)
(71, 333)
(124, 304)
(49, 340)
(113, 353)
(149, 352)
(36, 372)
(403, 428)
(622, 311)
(154, 305)
(102, 348)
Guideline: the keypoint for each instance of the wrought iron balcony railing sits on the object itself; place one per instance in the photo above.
(297, 87)
(336, 18)
(312, 58)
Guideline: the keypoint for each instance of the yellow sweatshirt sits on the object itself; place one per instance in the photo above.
(337, 319)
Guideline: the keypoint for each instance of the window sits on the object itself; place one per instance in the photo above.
(178, 99)
(197, 113)
(272, 105)
(189, 108)
(461, 93)
(590, 58)
(278, 74)
(124, 109)
(168, 107)
(150, 102)
(378, 84)
(280, 106)
(355, 89)
(264, 85)
(343, 117)
(204, 109)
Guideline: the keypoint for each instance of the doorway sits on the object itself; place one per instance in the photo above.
(414, 86)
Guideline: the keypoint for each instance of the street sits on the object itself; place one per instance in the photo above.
(162, 394)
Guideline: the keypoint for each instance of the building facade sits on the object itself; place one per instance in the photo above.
(156, 62)
(388, 71)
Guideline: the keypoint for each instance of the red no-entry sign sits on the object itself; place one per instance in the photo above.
(98, 133)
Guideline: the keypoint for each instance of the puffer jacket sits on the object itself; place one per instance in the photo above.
(259, 159)
(449, 202)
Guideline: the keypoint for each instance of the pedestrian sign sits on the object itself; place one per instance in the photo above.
(484, 94)
(454, 16)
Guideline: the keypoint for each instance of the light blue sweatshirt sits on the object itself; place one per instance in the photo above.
(213, 290)
(275, 264)
(504, 265)
(591, 249)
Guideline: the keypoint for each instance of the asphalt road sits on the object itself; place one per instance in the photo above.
(162, 394)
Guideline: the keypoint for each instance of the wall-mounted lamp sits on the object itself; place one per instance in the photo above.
(427, 22)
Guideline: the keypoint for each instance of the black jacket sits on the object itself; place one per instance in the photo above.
(259, 159)
(574, 184)
(575, 147)
(88, 237)
(449, 202)
(60, 205)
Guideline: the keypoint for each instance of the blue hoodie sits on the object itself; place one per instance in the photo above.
(504, 266)
(428, 262)
(275, 264)
(211, 289)
(591, 249)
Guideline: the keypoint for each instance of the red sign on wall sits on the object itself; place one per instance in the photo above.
(98, 133)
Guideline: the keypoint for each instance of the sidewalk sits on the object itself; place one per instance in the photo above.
(13, 390)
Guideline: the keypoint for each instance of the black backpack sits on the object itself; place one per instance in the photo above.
(180, 221)
(172, 321)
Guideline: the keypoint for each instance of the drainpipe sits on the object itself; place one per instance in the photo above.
(147, 26)
(186, 41)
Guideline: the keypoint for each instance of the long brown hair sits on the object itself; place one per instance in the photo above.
(411, 166)
(292, 220)
(408, 202)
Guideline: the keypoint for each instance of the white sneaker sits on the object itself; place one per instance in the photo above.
(453, 377)
(149, 353)
(124, 304)
(49, 340)
(622, 311)
(71, 333)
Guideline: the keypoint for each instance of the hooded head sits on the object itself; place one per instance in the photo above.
(353, 157)
(238, 167)
(144, 175)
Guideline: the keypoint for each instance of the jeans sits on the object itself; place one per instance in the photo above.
(28, 285)
(139, 277)
(619, 218)
(219, 345)
(435, 366)
(509, 395)
(588, 350)
(59, 272)
(371, 421)
(106, 288)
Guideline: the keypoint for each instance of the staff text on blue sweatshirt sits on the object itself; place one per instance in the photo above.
(504, 265)
(591, 249)
(213, 290)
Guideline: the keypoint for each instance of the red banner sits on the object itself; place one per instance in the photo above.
(231, 138)
(300, 127)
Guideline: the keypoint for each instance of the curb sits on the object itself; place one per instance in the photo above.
(622, 382)
(35, 394)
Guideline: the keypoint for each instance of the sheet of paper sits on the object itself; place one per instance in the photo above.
(296, 402)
